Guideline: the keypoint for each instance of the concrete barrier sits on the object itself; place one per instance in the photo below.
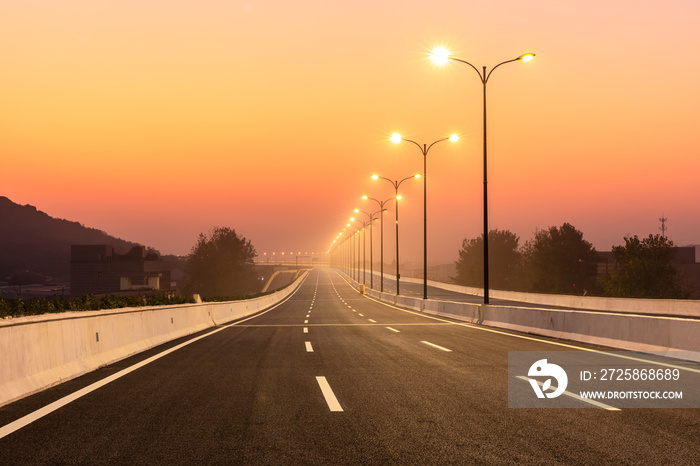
(629, 332)
(408, 303)
(660, 307)
(460, 311)
(37, 352)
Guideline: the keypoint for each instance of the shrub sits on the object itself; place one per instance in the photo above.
(5, 308)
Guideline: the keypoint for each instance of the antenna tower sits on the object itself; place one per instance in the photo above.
(663, 225)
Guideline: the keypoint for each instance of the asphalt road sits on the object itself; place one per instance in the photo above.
(332, 377)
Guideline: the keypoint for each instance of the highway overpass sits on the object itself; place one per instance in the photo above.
(330, 376)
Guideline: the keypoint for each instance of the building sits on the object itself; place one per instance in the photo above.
(684, 260)
(97, 269)
(689, 269)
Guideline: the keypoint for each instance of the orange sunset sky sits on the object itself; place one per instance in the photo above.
(158, 120)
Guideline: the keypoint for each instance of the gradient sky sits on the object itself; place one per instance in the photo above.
(158, 120)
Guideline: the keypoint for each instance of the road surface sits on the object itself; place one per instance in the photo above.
(332, 377)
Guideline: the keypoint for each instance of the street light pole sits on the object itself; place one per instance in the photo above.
(396, 185)
(396, 138)
(441, 56)
(353, 219)
(357, 271)
(381, 241)
(364, 254)
(347, 255)
(371, 218)
(351, 255)
(351, 240)
(364, 250)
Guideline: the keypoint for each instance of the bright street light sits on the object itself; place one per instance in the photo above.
(371, 217)
(381, 213)
(396, 185)
(357, 233)
(396, 138)
(441, 56)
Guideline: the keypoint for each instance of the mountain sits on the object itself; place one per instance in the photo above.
(32, 240)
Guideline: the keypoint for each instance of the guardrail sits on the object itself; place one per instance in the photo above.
(37, 352)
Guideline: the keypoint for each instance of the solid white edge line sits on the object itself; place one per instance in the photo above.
(51, 407)
(573, 395)
(328, 394)
(437, 346)
(309, 348)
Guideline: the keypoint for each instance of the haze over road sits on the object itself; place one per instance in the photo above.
(333, 377)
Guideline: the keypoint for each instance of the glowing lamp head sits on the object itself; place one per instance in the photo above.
(440, 56)
(417, 175)
(357, 211)
(352, 219)
(398, 197)
(527, 56)
(454, 138)
(375, 177)
(364, 197)
(396, 138)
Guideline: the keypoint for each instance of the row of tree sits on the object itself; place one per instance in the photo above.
(559, 260)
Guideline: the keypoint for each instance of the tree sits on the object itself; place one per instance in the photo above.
(503, 260)
(559, 260)
(644, 270)
(221, 264)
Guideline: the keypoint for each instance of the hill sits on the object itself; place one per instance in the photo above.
(32, 240)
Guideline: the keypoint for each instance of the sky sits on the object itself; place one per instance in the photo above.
(158, 120)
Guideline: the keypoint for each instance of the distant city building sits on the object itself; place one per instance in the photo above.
(684, 260)
(97, 269)
(689, 269)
